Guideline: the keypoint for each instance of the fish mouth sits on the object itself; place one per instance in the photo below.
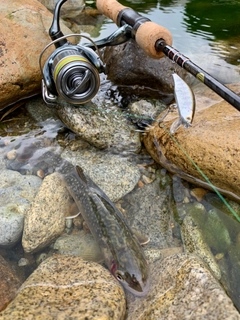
(140, 290)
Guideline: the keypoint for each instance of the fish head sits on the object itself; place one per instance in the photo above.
(134, 280)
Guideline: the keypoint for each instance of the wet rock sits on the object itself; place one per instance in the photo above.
(81, 244)
(211, 142)
(143, 112)
(114, 174)
(39, 111)
(9, 283)
(146, 210)
(66, 287)
(127, 64)
(216, 233)
(17, 193)
(182, 288)
(101, 125)
(28, 22)
(231, 269)
(45, 219)
(194, 242)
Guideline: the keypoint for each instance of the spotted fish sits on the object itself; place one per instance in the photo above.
(185, 101)
(122, 252)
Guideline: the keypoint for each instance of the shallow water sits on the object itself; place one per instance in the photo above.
(208, 33)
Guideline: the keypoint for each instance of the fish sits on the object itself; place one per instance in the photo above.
(122, 252)
(185, 101)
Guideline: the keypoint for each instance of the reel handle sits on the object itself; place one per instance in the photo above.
(146, 32)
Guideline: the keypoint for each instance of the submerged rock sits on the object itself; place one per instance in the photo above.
(9, 283)
(66, 287)
(212, 142)
(215, 232)
(103, 126)
(81, 244)
(194, 242)
(45, 219)
(182, 288)
(17, 193)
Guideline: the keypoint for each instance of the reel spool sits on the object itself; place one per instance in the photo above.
(72, 71)
(76, 78)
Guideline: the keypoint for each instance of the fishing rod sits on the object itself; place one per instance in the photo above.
(156, 41)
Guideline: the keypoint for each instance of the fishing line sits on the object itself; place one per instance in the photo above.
(201, 172)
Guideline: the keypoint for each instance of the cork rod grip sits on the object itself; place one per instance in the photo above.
(147, 33)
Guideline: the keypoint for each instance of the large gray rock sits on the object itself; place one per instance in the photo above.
(127, 64)
(102, 125)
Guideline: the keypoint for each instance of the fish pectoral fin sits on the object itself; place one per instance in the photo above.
(81, 174)
(142, 239)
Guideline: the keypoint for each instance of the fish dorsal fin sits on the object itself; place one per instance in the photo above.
(81, 174)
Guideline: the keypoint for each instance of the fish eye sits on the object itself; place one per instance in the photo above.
(119, 275)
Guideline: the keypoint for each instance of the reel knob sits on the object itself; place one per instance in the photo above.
(76, 79)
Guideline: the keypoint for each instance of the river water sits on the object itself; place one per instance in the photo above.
(205, 31)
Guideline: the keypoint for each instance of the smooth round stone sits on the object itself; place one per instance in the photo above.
(67, 287)
(45, 219)
(17, 193)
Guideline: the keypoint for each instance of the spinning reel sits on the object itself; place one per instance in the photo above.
(72, 71)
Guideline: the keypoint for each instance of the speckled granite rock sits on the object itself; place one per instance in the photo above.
(182, 288)
(102, 125)
(9, 283)
(17, 193)
(66, 287)
(81, 244)
(194, 242)
(153, 220)
(114, 174)
(211, 142)
(45, 219)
